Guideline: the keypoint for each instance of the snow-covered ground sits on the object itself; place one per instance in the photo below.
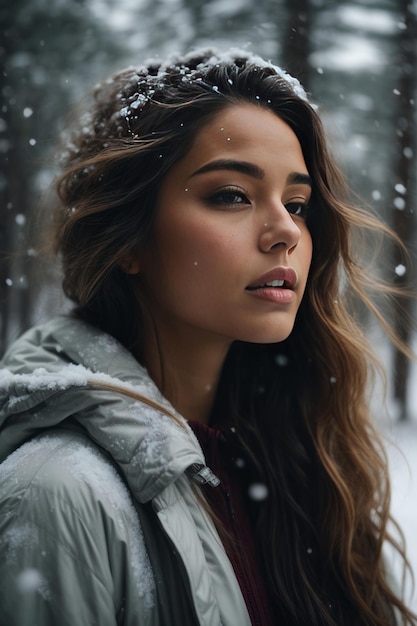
(400, 438)
(401, 443)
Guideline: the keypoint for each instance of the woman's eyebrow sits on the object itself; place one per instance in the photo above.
(243, 167)
(297, 178)
(250, 169)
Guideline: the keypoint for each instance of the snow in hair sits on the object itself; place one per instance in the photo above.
(155, 74)
(120, 99)
(228, 57)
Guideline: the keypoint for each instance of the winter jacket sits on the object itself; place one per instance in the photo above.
(100, 520)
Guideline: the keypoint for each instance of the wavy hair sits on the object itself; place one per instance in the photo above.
(299, 407)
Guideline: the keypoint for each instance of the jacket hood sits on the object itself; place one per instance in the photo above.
(69, 374)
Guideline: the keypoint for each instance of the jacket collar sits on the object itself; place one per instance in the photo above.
(69, 374)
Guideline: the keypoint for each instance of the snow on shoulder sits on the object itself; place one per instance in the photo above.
(17, 387)
(87, 466)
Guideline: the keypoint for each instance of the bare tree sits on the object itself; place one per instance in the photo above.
(15, 294)
(403, 216)
(297, 40)
(4, 198)
(43, 56)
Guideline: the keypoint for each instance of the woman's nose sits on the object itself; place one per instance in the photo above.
(279, 229)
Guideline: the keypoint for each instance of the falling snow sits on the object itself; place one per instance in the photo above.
(399, 188)
(258, 491)
(399, 203)
(30, 580)
(400, 270)
(281, 360)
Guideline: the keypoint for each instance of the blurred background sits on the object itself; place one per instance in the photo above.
(356, 59)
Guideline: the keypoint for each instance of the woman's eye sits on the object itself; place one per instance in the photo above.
(228, 197)
(297, 208)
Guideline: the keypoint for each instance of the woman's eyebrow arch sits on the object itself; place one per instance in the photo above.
(250, 169)
(298, 178)
(244, 167)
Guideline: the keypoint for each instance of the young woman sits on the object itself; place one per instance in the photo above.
(193, 444)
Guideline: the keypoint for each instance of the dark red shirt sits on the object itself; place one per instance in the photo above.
(230, 503)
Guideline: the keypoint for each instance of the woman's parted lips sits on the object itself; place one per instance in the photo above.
(285, 277)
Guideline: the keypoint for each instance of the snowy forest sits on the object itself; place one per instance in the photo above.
(357, 59)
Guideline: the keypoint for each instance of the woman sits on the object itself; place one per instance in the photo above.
(197, 446)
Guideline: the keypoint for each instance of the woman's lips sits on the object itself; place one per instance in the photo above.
(280, 278)
(278, 295)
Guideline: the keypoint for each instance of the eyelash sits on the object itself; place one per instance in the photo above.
(298, 209)
(218, 198)
(301, 210)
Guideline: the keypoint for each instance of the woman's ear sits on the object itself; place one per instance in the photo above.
(130, 265)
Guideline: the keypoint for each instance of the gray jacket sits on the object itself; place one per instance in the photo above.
(100, 522)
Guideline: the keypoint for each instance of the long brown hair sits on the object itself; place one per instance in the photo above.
(299, 407)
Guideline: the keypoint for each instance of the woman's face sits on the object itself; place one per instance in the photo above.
(230, 252)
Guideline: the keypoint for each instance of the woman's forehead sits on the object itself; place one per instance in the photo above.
(245, 133)
(246, 139)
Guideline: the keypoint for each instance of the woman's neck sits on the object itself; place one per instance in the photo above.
(187, 373)
(190, 393)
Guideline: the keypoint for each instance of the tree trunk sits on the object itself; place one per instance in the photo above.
(296, 46)
(403, 176)
(15, 199)
(5, 201)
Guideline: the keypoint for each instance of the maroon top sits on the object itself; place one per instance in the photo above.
(230, 504)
